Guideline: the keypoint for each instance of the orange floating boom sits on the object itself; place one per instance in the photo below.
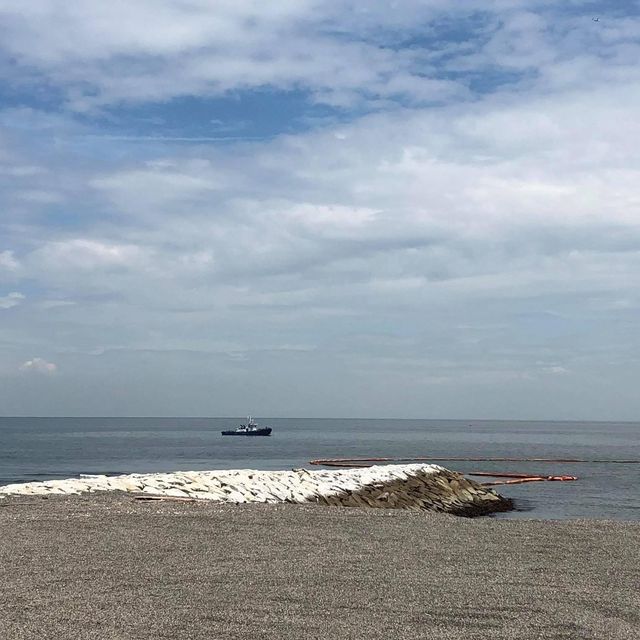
(515, 478)
(356, 461)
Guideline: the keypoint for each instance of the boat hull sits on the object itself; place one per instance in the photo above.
(258, 432)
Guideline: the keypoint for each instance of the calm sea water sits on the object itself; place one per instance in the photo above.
(47, 448)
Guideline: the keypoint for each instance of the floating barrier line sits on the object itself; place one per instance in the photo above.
(518, 478)
(348, 462)
(529, 479)
(494, 474)
(513, 478)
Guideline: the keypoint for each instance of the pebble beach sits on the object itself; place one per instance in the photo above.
(352, 553)
(106, 566)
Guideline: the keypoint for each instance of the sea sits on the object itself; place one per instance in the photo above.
(33, 449)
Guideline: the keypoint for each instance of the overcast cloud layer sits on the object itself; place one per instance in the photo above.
(411, 208)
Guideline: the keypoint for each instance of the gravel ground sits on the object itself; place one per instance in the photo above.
(109, 567)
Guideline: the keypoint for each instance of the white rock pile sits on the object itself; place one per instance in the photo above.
(413, 486)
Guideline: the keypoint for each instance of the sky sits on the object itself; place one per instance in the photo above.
(409, 208)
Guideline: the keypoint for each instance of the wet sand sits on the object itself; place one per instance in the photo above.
(108, 567)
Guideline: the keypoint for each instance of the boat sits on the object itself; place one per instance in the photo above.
(249, 429)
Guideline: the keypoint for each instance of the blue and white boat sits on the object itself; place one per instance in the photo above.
(249, 429)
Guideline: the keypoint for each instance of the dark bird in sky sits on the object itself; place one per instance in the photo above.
(596, 19)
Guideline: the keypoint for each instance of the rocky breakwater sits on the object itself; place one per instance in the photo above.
(417, 487)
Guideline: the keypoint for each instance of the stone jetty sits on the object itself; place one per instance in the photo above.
(417, 487)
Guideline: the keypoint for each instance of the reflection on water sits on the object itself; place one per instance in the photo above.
(40, 448)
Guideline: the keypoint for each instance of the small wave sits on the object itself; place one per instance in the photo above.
(47, 474)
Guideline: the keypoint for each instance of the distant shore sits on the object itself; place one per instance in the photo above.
(106, 566)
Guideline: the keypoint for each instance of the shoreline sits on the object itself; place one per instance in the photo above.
(107, 566)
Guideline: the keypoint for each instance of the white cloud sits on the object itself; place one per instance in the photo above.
(11, 300)
(164, 187)
(327, 218)
(469, 200)
(556, 370)
(8, 261)
(204, 49)
(343, 52)
(40, 366)
(56, 304)
(83, 254)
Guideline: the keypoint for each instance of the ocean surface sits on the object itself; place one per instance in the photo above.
(48, 448)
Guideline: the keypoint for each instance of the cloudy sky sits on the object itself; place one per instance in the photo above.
(411, 208)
